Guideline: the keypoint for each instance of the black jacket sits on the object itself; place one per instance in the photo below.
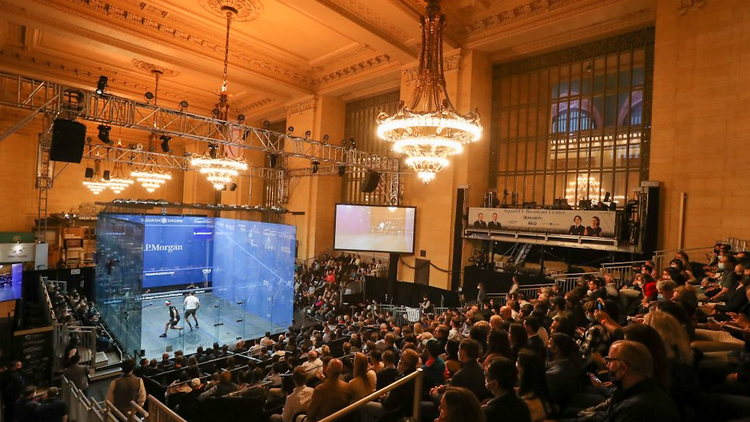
(508, 408)
(643, 402)
(471, 377)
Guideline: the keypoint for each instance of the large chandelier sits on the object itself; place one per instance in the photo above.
(96, 184)
(118, 181)
(429, 129)
(583, 187)
(218, 163)
(150, 178)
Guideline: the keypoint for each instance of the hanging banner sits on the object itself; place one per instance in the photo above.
(600, 223)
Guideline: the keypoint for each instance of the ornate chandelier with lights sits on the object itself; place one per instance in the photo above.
(150, 178)
(118, 181)
(96, 185)
(218, 163)
(429, 129)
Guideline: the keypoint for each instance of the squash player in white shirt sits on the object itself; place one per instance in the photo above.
(191, 305)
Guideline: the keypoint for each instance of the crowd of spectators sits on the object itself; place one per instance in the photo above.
(668, 344)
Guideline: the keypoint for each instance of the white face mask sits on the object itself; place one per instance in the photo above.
(721, 265)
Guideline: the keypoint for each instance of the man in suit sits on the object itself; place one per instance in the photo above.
(494, 224)
(506, 406)
(471, 374)
(331, 395)
(480, 223)
(576, 229)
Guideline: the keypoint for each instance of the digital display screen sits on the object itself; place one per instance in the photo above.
(374, 228)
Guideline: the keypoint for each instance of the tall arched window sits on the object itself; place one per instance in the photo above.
(572, 120)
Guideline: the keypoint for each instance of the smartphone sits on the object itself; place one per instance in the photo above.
(594, 379)
(599, 306)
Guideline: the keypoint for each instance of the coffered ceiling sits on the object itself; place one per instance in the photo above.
(280, 50)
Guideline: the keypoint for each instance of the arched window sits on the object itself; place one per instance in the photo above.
(572, 120)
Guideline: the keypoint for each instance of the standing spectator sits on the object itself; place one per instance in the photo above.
(77, 374)
(126, 388)
(331, 395)
(25, 407)
(52, 408)
(12, 385)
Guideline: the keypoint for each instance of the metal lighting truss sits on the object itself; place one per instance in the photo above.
(50, 98)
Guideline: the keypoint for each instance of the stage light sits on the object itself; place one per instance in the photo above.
(325, 138)
(165, 143)
(183, 105)
(342, 170)
(89, 173)
(149, 96)
(215, 112)
(101, 85)
(240, 118)
(104, 134)
(315, 166)
(266, 124)
(290, 130)
(308, 134)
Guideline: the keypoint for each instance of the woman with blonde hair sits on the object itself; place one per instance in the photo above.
(364, 379)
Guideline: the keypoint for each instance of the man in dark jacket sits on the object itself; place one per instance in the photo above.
(637, 397)
(25, 407)
(52, 408)
(12, 385)
(506, 406)
(471, 374)
(563, 378)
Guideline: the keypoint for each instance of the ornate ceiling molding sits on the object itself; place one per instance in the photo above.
(164, 34)
(518, 20)
(354, 69)
(371, 17)
(246, 10)
(86, 75)
(300, 107)
(256, 104)
(637, 19)
(150, 68)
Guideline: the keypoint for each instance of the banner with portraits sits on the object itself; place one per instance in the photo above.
(599, 223)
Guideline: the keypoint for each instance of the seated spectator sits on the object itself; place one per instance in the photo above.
(364, 381)
(331, 395)
(299, 400)
(221, 389)
(460, 405)
(506, 406)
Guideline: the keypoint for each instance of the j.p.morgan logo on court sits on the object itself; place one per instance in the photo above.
(155, 247)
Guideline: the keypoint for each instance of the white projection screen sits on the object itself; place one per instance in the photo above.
(374, 228)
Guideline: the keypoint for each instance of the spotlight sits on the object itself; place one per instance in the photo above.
(89, 173)
(290, 130)
(104, 134)
(149, 96)
(215, 112)
(241, 118)
(352, 143)
(233, 187)
(325, 138)
(308, 134)
(342, 170)
(266, 124)
(165, 143)
(101, 85)
(315, 166)
(183, 105)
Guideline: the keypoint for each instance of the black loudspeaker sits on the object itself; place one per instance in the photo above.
(68, 139)
(371, 182)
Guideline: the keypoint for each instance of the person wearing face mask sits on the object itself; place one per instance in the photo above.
(637, 396)
(506, 406)
(726, 280)
(563, 377)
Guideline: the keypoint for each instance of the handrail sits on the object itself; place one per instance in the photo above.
(137, 409)
(111, 409)
(159, 409)
(618, 264)
(416, 375)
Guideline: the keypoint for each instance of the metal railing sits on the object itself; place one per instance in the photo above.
(568, 282)
(415, 376)
(86, 346)
(622, 272)
(81, 408)
(159, 412)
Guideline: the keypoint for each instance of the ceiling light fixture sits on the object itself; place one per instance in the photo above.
(150, 178)
(96, 184)
(429, 129)
(118, 181)
(219, 163)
